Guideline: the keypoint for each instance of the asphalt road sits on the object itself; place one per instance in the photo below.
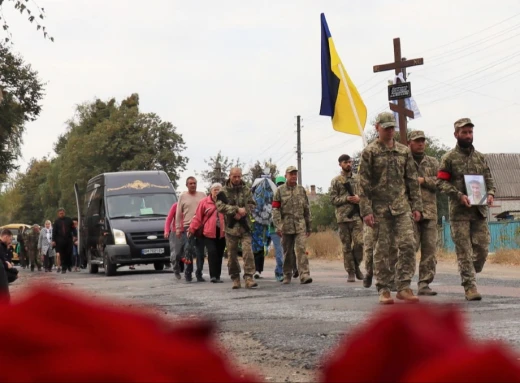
(282, 331)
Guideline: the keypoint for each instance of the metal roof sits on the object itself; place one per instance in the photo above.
(505, 170)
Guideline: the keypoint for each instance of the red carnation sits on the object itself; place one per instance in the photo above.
(418, 343)
(69, 339)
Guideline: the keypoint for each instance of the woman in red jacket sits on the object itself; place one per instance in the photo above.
(212, 223)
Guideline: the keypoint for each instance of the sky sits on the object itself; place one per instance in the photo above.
(233, 75)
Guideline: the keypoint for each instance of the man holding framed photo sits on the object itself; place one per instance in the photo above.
(468, 220)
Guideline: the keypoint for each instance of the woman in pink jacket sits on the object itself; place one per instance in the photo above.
(212, 223)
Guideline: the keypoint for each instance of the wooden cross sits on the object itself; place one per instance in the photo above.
(399, 66)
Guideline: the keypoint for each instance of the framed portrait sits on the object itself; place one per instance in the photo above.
(476, 189)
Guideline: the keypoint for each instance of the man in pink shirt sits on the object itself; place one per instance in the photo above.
(169, 232)
(186, 209)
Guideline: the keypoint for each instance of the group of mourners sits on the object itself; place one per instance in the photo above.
(52, 245)
(386, 213)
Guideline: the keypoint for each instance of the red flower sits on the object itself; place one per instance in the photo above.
(418, 343)
(67, 338)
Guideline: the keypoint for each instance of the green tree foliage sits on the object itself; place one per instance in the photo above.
(218, 168)
(103, 137)
(35, 15)
(257, 170)
(21, 93)
(323, 214)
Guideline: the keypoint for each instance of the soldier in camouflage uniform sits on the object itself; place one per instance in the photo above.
(238, 205)
(389, 188)
(349, 221)
(292, 219)
(31, 245)
(426, 229)
(368, 254)
(469, 228)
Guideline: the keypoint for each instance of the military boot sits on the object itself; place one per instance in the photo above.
(359, 274)
(367, 281)
(287, 279)
(472, 294)
(407, 296)
(306, 280)
(250, 283)
(236, 284)
(426, 290)
(351, 277)
(385, 298)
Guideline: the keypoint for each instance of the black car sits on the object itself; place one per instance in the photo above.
(123, 220)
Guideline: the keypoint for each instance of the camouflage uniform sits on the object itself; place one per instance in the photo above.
(469, 228)
(350, 229)
(388, 181)
(426, 230)
(237, 196)
(292, 217)
(31, 242)
(368, 253)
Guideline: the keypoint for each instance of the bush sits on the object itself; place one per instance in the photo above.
(324, 244)
(323, 214)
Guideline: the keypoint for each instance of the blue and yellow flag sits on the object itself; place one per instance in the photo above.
(339, 97)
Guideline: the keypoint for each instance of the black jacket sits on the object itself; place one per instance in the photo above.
(62, 230)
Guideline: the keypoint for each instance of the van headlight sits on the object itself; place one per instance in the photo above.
(119, 237)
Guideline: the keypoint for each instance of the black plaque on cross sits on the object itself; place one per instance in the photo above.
(399, 66)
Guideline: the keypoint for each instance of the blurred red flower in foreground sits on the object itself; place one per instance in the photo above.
(61, 337)
(418, 343)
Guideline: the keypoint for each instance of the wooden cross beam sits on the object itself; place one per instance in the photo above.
(400, 65)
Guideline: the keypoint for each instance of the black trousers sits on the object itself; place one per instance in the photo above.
(215, 248)
(4, 285)
(259, 261)
(65, 250)
(48, 261)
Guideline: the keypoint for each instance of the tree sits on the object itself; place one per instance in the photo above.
(323, 214)
(102, 137)
(21, 92)
(218, 169)
(257, 170)
(35, 15)
(31, 209)
(106, 137)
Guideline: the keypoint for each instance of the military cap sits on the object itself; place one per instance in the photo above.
(386, 120)
(462, 122)
(416, 134)
(280, 179)
(291, 169)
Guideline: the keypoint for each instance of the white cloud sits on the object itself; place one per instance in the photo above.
(233, 75)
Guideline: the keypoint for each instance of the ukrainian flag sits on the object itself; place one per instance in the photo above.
(339, 97)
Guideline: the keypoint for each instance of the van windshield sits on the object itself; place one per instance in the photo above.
(140, 205)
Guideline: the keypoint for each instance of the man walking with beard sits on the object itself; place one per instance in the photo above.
(62, 239)
(469, 228)
(344, 196)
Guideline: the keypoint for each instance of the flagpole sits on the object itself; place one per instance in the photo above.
(354, 110)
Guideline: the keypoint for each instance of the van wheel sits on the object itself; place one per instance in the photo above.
(159, 266)
(110, 268)
(93, 269)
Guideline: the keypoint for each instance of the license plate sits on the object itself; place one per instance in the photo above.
(153, 251)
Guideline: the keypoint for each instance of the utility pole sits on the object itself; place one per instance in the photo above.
(299, 148)
(399, 65)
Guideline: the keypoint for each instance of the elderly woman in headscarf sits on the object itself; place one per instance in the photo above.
(45, 246)
(212, 223)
